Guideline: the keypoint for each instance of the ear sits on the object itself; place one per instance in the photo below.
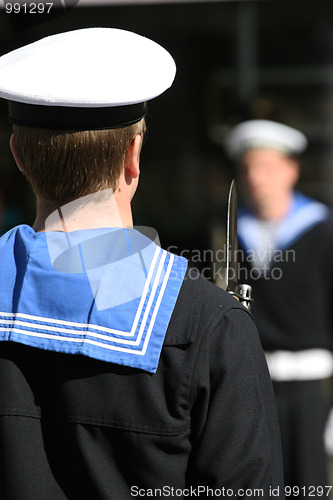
(13, 147)
(132, 161)
(294, 171)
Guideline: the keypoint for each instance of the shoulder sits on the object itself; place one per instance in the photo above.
(202, 306)
(218, 334)
(207, 295)
(320, 232)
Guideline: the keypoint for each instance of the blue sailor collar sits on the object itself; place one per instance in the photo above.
(105, 293)
(304, 214)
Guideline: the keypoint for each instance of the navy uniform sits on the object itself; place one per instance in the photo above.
(121, 373)
(288, 264)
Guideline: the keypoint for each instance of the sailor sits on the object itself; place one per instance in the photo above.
(287, 244)
(120, 374)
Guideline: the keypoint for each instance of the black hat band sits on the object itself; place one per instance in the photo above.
(69, 118)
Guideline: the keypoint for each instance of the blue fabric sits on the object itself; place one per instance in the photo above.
(303, 215)
(104, 293)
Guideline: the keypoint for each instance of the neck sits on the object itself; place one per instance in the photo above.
(102, 209)
(273, 209)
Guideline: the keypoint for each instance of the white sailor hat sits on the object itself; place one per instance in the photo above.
(92, 78)
(264, 134)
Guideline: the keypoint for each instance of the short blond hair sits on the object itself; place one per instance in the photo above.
(62, 166)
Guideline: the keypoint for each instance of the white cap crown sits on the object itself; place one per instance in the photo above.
(264, 134)
(86, 68)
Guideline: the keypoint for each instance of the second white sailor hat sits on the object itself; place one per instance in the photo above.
(264, 134)
(91, 78)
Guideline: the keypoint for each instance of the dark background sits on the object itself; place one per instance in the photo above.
(235, 60)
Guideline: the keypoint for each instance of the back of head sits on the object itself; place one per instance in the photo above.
(76, 101)
(62, 166)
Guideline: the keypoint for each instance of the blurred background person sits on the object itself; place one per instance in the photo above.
(286, 242)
